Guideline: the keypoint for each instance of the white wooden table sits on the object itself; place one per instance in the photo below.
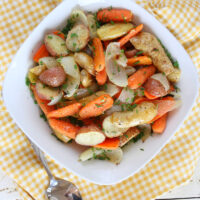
(189, 191)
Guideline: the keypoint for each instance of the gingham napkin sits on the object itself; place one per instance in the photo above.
(171, 167)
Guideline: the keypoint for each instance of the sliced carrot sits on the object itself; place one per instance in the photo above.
(65, 111)
(99, 57)
(42, 52)
(96, 107)
(109, 143)
(140, 100)
(130, 34)
(140, 60)
(165, 105)
(60, 34)
(101, 77)
(42, 103)
(64, 127)
(160, 124)
(115, 15)
(140, 76)
(149, 96)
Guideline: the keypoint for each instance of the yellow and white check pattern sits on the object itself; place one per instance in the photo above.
(171, 167)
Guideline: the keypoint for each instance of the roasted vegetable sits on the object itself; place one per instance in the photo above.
(77, 38)
(55, 45)
(113, 31)
(150, 45)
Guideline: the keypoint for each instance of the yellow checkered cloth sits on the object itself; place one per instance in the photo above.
(171, 167)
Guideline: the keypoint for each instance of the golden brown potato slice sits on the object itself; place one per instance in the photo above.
(175, 75)
(85, 61)
(55, 45)
(149, 44)
(128, 135)
(113, 31)
(92, 25)
(77, 38)
(142, 114)
(86, 78)
(90, 136)
(38, 69)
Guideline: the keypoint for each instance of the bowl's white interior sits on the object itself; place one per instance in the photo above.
(100, 172)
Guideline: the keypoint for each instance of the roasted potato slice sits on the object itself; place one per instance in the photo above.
(77, 38)
(128, 135)
(113, 31)
(90, 136)
(85, 61)
(53, 77)
(86, 78)
(142, 114)
(92, 25)
(32, 77)
(175, 75)
(150, 45)
(110, 129)
(55, 45)
(49, 62)
(79, 17)
(45, 92)
(38, 69)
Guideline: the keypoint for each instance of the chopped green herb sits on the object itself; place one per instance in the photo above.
(83, 104)
(126, 136)
(177, 89)
(73, 35)
(43, 85)
(50, 37)
(68, 27)
(112, 22)
(144, 72)
(138, 53)
(174, 62)
(141, 149)
(176, 65)
(75, 66)
(63, 44)
(163, 73)
(41, 62)
(135, 63)
(127, 99)
(117, 102)
(98, 106)
(138, 137)
(76, 121)
(98, 23)
(118, 68)
(27, 81)
(139, 84)
(51, 98)
(64, 86)
(122, 50)
(42, 115)
(76, 87)
(70, 141)
(90, 91)
(74, 44)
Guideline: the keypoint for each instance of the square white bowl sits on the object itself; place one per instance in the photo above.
(16, 95)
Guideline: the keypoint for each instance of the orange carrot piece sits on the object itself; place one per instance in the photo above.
(109, 143)
(140, 100)
(140, 76)
(101, 77)
(96, 107)
(42, 103)
(65, 111)
(160, 124)
(64, 127)
(140, 60)
(115, 15)
(42, 52)
(130, 34)
(149, 96)
(165, 105)
(99, 57)
(60, 34)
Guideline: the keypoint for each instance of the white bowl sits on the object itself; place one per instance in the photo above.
(26, 114)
